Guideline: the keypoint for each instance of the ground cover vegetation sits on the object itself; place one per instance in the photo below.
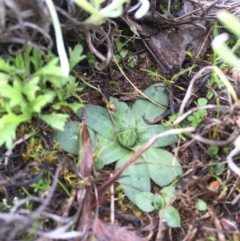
(119, 120)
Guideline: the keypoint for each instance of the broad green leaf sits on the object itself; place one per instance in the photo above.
(171, 216)
(127, 138)
(147, 109)
(146, 132)
(99, 164)
(163, 167)
(123, 117)
(168, 193)
(144, 200)
(201, 205)
(124, 121)
(111, 152)
(144, 107)
(212, 149)
(135, 178)
(202, 101)
(121, 107)
(157, 93)
(99, 120)
(158, 201)
(68, 139)
(75, 55)
(217, 169)
(55, 120)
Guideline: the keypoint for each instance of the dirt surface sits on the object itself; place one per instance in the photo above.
(164, 43)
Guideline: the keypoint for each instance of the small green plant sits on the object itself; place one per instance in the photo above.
(123, 52)
(201, 205)
(116, 134)
(41, 185)
(197, 116)
(28, 85)
(6, 205)
(161, 202)
(217, 169)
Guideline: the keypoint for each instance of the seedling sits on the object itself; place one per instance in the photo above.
(218, 169)
(197, 116)
(41, 185)
(161, 202)
(122, 52)
(201, 205)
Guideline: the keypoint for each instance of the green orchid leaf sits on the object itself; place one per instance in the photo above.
(99, 120)
(144, 107)
(121, 107)
(146, 132)
(156, 92)
(127, 138)
(168, 193)
(123, 117)
(217, 169)
(158, 201)
(144, 200)
(135, 179)
(124, 122)
(99, 164)
(171, 216)
(68, 139)
(163, 167)
(111, 151)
